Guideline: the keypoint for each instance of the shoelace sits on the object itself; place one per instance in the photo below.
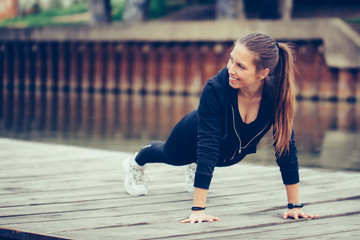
(139, 176)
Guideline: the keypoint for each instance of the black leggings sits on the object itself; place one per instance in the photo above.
(179, 149)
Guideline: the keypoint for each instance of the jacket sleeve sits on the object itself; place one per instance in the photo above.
(209, 135)
(288, 164)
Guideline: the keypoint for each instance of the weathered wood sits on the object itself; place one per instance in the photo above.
(78, 193)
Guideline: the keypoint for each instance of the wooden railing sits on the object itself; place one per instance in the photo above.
(151, 67)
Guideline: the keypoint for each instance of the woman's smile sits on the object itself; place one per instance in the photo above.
(233, 80)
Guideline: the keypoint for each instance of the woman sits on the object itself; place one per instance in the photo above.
(237, 108)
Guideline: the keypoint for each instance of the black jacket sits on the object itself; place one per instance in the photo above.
(219, 143)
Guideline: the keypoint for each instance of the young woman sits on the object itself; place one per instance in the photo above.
(237, 108)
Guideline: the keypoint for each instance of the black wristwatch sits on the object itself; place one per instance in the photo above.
(295, 205)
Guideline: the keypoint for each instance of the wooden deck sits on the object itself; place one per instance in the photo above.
(52, 191)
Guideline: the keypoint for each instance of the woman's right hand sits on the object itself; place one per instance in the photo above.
(200, 216)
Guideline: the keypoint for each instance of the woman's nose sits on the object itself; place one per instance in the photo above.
(231, 68)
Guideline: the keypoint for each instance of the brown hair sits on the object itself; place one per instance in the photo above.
(278, 58)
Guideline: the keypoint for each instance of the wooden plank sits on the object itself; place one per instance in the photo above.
(68, 192)
(245, 216)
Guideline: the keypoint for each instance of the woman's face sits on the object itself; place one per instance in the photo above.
(241, 69)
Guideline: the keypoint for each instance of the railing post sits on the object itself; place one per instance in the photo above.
(194, 81)
(110, 73)
(165, 84)
(125, 61)
(151, 68)
(137, 64)
(179, 75)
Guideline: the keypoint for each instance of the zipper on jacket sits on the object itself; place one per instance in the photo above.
(240, 147)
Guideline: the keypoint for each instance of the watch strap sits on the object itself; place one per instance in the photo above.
(295, 205)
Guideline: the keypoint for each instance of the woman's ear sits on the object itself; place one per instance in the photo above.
(264, 73)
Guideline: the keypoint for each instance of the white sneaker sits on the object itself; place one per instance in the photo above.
(189, 177)
(134, 180)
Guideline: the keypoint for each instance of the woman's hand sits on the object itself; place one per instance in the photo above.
(297, 213)
(200, 216)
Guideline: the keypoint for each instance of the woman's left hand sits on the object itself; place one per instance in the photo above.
(297, 213)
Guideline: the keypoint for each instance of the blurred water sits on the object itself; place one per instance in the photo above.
(327, 133)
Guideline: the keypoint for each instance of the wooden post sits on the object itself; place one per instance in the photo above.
(2, 76)
(85, 48)
(311, 75)
(91, 66)
(136, 66)
(49, 85)
(64, 66)
(327, 81)
(9, 66)
(61, 66)
(194, 81)
(165, 84)
(16, 65)
(151, 68)
(2, 54)
(79, 76)
(110, 74)
(210, 61)
(40, 81)
(180, 69)
(74, 66)
(53, 66)
(99, 65)
(125, 61)
(117, 67)
(31, 76)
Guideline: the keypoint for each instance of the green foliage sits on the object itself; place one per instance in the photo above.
(117, 8)
(161, 8)
(157, 9)
(47, 18)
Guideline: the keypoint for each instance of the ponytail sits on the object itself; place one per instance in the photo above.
(278, 58)
(284, 99)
